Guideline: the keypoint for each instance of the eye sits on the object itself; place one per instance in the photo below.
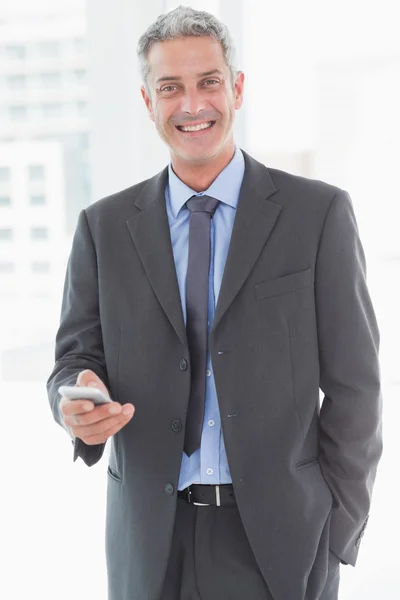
(167, 88)
(212, 81)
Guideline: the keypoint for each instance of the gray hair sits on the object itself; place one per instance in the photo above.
(186, 22)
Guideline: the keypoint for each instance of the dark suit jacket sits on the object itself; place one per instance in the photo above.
(294, 315)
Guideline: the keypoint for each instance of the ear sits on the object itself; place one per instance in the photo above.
(239, 89)
(147, 101)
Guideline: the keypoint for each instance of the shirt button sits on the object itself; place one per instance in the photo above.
(210, 471)
(211, 423)
(208, 372)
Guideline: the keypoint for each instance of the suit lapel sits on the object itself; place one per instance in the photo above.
(254, 221)
(150, 233)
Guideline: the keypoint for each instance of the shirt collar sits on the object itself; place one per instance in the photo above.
(225, 187)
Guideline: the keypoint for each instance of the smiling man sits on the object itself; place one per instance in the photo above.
(191, 95)
(212, 303)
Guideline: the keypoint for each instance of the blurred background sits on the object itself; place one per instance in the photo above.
(322, 100)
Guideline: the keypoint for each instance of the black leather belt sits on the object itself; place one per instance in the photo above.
(205, 495)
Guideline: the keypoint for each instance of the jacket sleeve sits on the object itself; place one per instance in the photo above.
(79, 342)
(351, 413)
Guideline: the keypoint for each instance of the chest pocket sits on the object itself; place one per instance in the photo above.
(283, 285)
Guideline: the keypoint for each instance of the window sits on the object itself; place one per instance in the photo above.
(15, 52)
(16, 82)
(38, 200)
(39, 233)
(5, 201)
(83, 140)
(49, 49)
(80, 76)
(52, 110)
(6, 234)
(50, 79)
(5, 174)
(7, 267)
(79, 45)
(18, 113)
(36, 172)
(82, 108)
(42, 266)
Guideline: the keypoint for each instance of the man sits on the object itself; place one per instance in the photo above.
(211, 302)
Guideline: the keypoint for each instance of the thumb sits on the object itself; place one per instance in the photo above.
(87, 377)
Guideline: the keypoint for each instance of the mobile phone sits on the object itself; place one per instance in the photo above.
(76, 392)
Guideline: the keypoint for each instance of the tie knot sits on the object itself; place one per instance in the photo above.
(202, 204)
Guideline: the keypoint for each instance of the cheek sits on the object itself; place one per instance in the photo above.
(159, 118)
(163, 117)
(228, 106)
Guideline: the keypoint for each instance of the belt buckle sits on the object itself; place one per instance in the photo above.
(217, 494)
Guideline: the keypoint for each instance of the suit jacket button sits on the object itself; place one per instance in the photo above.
(183, 365)
(358, 542)
(176, 425)
(169, 489)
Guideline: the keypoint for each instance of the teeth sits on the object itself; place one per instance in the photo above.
(196, 127)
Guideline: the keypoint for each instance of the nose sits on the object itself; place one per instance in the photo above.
(192, 102)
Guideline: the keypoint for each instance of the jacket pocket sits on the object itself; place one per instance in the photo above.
(283, 285)
(114, 474)
(308, 462)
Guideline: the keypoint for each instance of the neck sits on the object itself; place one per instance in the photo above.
(199, 176)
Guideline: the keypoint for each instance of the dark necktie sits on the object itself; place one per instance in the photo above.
(202, 209)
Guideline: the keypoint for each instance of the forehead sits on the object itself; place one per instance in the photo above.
(185, 56)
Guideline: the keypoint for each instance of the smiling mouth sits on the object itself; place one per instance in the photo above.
(194, 128)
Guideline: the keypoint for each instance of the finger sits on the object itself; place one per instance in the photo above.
(102, 437)
(98, 414)
(84, 431)
(102, 421)
(72, 407)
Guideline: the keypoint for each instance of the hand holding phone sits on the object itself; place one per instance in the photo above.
(88, 411)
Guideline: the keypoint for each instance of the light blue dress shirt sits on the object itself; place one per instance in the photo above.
(208, 464)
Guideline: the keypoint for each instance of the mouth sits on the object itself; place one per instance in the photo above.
(196, 130)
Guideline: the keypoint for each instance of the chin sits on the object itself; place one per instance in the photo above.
(200, 154)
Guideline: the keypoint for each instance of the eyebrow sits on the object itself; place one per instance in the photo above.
(177, 78)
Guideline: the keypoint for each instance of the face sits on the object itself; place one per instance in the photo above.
(190, 86)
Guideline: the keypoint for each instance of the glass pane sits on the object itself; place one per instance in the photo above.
(49, 49)
(7, 267)
(50, 79)
(6, 234)
(5, 174)
(18, 113)
(36, 172)
(41, 267)
(15, 52)
(52, 110)
(38, 200)
(15, 82)
(39, 233)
